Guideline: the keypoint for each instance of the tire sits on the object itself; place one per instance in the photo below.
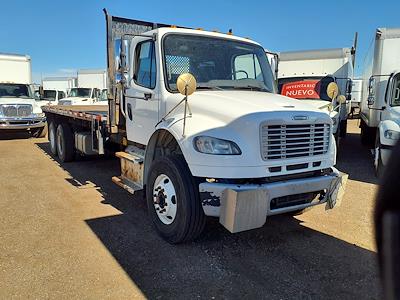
(40, 132)
(188, 221)
(378, 158)
(65, 143)
(366, 135)
(343, 128)
(52, 138)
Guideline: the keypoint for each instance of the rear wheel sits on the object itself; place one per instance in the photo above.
(65, 143)
(173, 200)
(52, 138)
(366, 134)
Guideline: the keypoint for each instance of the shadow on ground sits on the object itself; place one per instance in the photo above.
(356, 159)
(14, 135)
(281, 260)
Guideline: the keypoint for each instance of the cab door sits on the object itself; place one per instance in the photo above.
(142, 93)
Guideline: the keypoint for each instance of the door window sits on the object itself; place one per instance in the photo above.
(247, 66)
(145, 74)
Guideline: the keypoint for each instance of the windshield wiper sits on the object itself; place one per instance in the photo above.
(252, 88)
(208, 87)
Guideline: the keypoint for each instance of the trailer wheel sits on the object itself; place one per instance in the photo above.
(343, 128)
(40, 132)
(173, 200)
(65, 143)
(52, 138)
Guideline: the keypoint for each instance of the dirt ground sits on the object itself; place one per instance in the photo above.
(67, 231)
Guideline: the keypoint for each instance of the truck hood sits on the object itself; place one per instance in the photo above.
(228, 105)
(16, 100)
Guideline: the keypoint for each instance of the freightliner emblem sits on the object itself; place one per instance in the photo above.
(300, 118)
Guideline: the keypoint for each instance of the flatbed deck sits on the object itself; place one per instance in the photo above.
(83, 112)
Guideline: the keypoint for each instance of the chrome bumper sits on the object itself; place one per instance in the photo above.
(332, 185)
(22, 123)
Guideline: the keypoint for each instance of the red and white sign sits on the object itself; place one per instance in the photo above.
(301, 89)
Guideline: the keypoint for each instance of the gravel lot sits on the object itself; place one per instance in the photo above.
(67, 231)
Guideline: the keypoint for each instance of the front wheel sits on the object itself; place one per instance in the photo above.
(378, 157)
(173, 200)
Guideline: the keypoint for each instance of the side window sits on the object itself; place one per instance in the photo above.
(145, 73)
(396, 91)
(95, 93)
(247, 66)
(61, 95)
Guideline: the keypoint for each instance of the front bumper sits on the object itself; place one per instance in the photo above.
(276, 198)
(22, 123)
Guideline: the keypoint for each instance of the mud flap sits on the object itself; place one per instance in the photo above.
(336, 191)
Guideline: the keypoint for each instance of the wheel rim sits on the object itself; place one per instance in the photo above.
(52, 137)
(164, 199)
(59, 143)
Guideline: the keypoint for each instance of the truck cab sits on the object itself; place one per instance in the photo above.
(19, 111)
(380, 105)
(305, 75)
(80, 96)
(50, 97)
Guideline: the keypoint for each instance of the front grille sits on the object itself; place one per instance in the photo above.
(291, 141)
(16, 110)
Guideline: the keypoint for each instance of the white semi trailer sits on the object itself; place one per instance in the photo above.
(305, 75)
(19, 111)
(218, 142)
(380, 105)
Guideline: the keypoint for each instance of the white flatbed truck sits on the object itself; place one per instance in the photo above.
(218, 143)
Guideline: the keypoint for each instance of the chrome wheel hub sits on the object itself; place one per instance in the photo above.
(164, 199)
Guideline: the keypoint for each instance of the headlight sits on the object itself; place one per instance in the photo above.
(392, 135)
(40, 115)
(211, 145)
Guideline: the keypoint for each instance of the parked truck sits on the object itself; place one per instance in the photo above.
(356, 95)
(380, 105)
(54, 89)
(90, 84)
(202, 130)
(306, 74)
(18, 109)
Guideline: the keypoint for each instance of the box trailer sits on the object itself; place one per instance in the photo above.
(19, 111)
(305, 75)
(380, 104)
(202, 130)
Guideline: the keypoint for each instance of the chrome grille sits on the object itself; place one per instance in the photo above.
(291, 141)
(16, 110)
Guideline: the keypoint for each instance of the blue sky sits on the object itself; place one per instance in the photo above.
(62, 36)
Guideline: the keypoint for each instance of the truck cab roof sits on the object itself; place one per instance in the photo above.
(167, 30)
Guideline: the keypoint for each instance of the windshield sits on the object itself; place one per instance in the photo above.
(14, 90)
(217, 63)
(49, 95)
(305, 87)
(80, 92)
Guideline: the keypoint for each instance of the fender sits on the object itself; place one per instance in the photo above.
(387, 125)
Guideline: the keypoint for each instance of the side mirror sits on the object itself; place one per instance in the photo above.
(341, 99)
(371, 86)
(186, 84)
(332, 90)
(371, 101)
